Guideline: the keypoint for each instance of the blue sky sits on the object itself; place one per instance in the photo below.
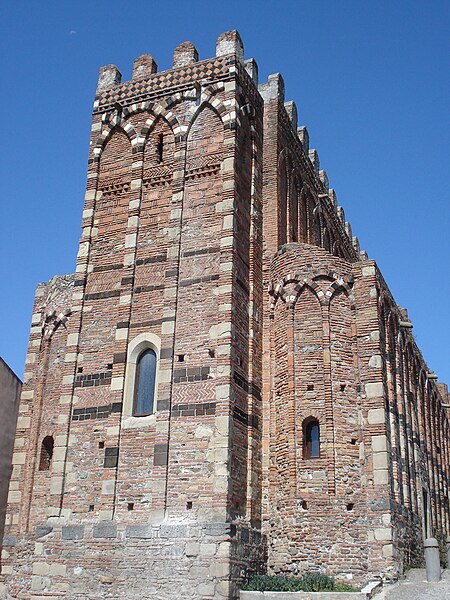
(370, 80)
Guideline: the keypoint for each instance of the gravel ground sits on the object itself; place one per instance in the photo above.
(416, 587)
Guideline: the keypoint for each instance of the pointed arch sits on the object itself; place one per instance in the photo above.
(111, 125)
(116, 150)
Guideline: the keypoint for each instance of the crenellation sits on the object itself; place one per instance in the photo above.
(313, 156)
(303, 136)
(230, 42)
(324, 179)
(185, 54)
(291, 110)
(144, 66)
(341, 215)
(109, 76)
(273, 88)
(251, 67)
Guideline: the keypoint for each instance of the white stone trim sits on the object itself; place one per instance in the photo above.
(140, 343)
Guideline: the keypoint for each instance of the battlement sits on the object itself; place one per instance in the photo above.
(228, 43)
(229, 64)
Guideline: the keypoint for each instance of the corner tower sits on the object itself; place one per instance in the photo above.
(140, 414)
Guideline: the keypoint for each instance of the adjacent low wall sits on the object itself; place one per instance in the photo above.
(367, 592)
(10, 386)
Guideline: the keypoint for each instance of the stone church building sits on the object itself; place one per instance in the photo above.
(225, 385)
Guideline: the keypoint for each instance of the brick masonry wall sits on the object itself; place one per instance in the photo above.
(202, 194)
(359, 508)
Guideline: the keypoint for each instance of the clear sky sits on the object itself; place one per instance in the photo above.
(370, 79)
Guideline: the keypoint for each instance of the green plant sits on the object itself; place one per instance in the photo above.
(309, 582)
(344, 587)
(272, 583)
(316, 582)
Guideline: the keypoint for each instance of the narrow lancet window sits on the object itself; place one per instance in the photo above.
(160, 147)
(311, 439)
(46, 456)
(144, 390)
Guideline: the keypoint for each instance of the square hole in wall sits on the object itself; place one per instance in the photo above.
(350, 506)
(109, 366)
(181, 357)
(189, 505)
(91, 508)
(353, 441)
(212, 353)
(343, 386)
(130, 506)
(80, 370)
(304, 505)
(310, 387)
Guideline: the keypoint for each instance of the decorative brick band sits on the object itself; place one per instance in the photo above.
(139, 90)
(102, 295)
(151, 259)
(245, 419)
(191, 374)
(146, 323)
(201, 252)
(186, 282)
(242, 285)
(93, 380)
(336, 283)
(147, 288)
(111, 267)
(96, 412)
(194, 409)
(250, 388)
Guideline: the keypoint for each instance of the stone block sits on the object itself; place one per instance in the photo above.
(141, 532)
(58, 570)
(217, 529)
(9, 541)
(376, 416)
(37, 583)
(374, 390)
(104, 530)
(207, 549)
(41, 568)
(192, 549)
(379, 443)
(42, 530)
(74, 532)
(173, 531)
(383, 534)
(380, 460)
(381, 477)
